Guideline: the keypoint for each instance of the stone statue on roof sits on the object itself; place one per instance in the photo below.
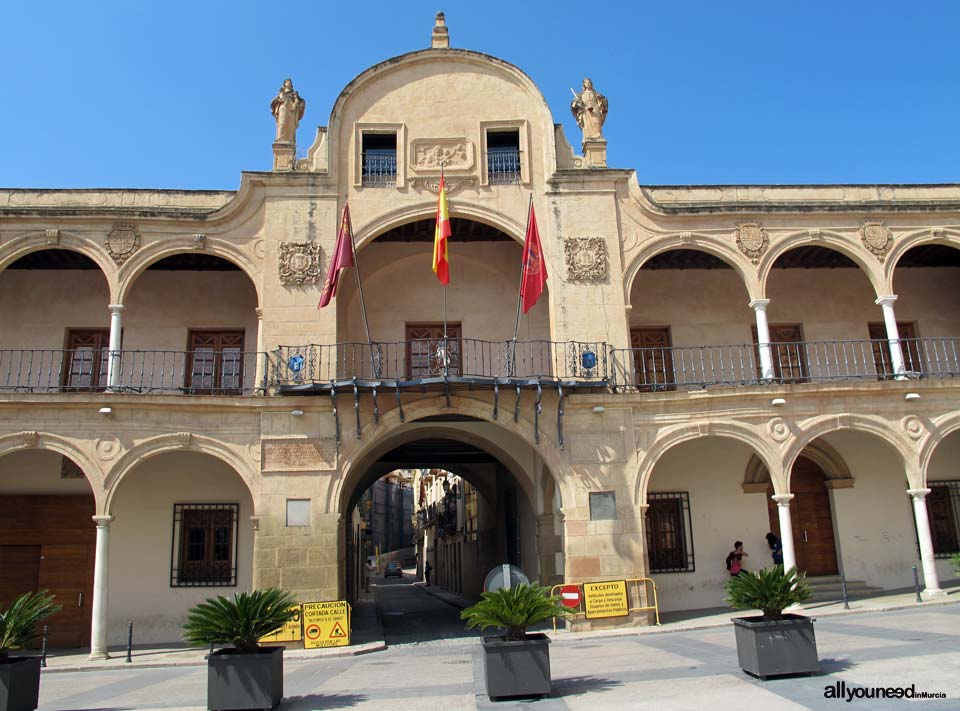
(287, 108)
(589, 108)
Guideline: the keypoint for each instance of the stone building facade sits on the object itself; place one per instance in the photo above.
(708, 363)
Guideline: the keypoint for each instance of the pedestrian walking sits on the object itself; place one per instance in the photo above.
(426, 572)
(735, 557)
(776, 548)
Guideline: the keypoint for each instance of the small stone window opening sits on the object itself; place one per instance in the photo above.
(503, 157)
(379, 160)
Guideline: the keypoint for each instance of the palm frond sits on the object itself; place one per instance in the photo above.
(514, 609)
(769, 590)
(19, 624)
(240, 621)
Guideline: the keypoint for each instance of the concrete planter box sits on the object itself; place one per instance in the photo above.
(19, 683)
(245, 681)
(786, 646)
(517, 668)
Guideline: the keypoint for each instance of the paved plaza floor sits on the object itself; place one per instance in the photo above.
(681, 669)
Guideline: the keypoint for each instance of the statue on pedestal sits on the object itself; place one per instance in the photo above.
(287, 108)
(589, 108)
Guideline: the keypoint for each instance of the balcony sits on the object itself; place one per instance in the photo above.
(503, 166)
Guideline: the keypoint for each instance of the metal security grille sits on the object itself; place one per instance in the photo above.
(943, 510)
(503, 166)
(669, 533)
(203, 552)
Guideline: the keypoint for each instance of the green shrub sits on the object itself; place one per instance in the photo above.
(956, 562)
(769, 590)
(18, 625)
(514, 609)
(240, 621)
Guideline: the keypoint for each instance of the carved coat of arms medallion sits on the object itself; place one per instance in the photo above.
(586, 258)
(122, 241)
(877, 238)
(299, 263)
(752, 240)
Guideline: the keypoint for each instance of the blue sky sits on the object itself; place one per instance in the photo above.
(175, 94)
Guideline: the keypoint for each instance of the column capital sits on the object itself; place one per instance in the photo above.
(259, 312)
(759, 304)
(115, 308)
(102, 521)
(782, 499)
(918, 494)
(886, 300)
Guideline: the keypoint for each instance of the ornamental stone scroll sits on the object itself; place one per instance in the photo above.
(586, 258)
(299, 263)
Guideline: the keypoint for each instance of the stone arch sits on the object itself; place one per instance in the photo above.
(386, 221)
(938, 430)
(150, 254)
(37, 242)
(61, 445)
(699, 242)
(818, 451)
(174, 442)
(674, 436)
(379, 439)
(826, 424)
(827, 239)
(947, 237)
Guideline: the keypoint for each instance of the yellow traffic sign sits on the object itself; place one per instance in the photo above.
(326, 624)
(606, 599)
(290, 632)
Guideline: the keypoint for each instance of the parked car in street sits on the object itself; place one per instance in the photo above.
(393, 569)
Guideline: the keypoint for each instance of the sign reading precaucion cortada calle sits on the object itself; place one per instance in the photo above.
(607, 599)
(326, 624)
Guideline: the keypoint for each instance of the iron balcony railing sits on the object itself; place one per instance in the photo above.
(453, 358)
(379, 169)
(503, 166)
(198, 372)
(685, 368)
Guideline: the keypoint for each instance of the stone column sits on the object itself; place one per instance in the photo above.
(113, 357)
(759, 307)
(547, 548)
(261, 376)
(786, 530)
(931, 583)
(98, 624)
(893, 334)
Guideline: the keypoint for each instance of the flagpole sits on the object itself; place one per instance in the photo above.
(363, 306)
(446, 358)
(516, 327)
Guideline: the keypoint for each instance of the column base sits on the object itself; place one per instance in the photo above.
(97, 656)
(932, 593)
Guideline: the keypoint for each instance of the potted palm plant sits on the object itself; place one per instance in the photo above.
(774, 643)
(20, 676)
(516, 663)
(243, 675)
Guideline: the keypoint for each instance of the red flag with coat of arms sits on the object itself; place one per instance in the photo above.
(534, 276)
(342, 258)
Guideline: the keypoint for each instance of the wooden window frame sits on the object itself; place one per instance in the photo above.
(776, 350)
(882, 362)
(662, 364)
(212, 568)
(98, 376)
(454, 340)
(190, 374)
(682, 559)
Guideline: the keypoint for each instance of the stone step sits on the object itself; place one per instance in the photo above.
(830, 587)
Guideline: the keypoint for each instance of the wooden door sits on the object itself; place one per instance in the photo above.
(881, 348)
(426, 355)
(88, 351)
(812, 520)
(66, 573)
(652, 358)
(19, 572)
(788, 351)
(215, 362)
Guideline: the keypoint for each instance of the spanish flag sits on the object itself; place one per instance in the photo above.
(441, 265)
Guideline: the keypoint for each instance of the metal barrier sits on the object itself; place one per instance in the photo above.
(637, 597)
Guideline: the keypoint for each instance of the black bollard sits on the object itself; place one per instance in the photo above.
(916, 583)
(129, 658)
(843, 589)
(43, 648)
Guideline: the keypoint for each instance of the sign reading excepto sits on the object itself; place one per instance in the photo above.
(326, 624)
(607, 599)
(290, 632)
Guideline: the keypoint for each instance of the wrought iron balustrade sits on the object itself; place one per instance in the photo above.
(435, 359)
(503, 166)
(685, 368)
(198, 372)
(379, 170)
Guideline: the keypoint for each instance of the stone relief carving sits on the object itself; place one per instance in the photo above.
(778, 429)
(299, 263)
(913, 426)
(52, 235)
(199, 240)
(589, 108)
(108, 448)
(752, 240)
(122, 241)
(586, 258)
(455, 154)
(183, 439)
(30, 438)
(877, 238)
(452, 186)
